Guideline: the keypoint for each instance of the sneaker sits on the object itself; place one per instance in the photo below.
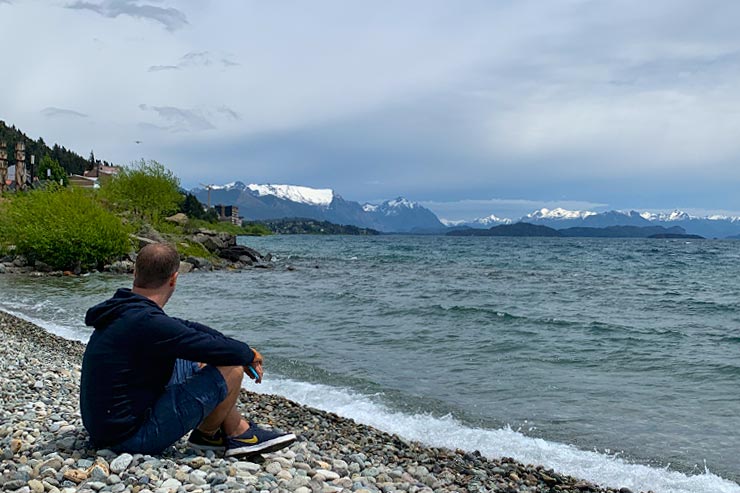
(200, 441)
(257, 440)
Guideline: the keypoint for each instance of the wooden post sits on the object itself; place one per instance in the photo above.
(20, 166)
(3, 165)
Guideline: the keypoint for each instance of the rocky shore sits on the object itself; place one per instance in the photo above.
(216, 251)
(43, 446)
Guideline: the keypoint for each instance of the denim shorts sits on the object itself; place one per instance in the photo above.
(191, 394)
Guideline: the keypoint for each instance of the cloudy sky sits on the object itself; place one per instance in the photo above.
(473, 107)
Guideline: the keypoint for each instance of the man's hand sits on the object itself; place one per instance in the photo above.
(257, 365)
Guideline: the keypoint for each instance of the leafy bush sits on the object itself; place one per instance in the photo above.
(146, 189)
(62, 228)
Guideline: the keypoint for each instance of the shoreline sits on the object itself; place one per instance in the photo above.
(42, 442)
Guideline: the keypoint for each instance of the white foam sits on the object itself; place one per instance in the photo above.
(448, 432)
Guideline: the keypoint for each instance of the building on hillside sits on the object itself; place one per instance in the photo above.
(80, 181)
(228, 213)
(101, 172)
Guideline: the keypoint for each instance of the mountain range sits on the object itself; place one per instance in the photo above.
(266, 202)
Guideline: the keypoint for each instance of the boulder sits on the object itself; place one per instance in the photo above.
(185, 267)
(142, 241)
(42, 266)
(233, 253)
(152, 234)
(122, 267)
(20, 261)
(178, 218)
(227, 239)
(199, 263)
(212, 243)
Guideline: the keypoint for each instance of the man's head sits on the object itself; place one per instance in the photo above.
(156, 269)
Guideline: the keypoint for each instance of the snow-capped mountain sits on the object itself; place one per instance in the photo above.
(557, 214)
(675, 215)
(258, 202)
(488, 221)
(302, 195)
(710, 227)
(715, 226)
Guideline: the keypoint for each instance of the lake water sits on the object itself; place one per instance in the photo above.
(613, 360)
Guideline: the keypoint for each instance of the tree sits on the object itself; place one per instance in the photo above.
(91, 161)
(146, 189)
(49, 168)
(194, 209)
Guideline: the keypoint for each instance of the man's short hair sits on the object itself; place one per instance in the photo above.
(154, 265)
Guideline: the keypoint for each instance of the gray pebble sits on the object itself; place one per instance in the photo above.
(121, 463)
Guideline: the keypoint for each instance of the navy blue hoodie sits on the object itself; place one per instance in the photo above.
(130, 358)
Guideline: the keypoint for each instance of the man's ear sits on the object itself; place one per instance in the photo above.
(173, 279)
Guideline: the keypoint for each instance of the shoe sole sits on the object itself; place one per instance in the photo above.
(215, 448)
(262, 448)
(205, 448)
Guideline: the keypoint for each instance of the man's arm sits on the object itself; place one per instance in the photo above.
(198, 326)
(197, 342)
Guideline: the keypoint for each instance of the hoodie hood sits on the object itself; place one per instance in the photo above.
(101, 315)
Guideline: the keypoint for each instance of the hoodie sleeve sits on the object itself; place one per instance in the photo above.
(199, 327)
(196, 342)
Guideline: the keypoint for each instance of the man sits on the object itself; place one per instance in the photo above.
(141, 389)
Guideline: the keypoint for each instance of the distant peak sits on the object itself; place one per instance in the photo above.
(295, 193)
(675, 215)
(234, 185)
(400, 202)
(559, 213)
(492, 220)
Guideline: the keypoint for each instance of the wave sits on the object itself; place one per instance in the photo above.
(604, 469)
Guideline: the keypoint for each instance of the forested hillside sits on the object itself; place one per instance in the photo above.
(69, 160)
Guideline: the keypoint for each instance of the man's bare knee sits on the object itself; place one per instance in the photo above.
(232, 375)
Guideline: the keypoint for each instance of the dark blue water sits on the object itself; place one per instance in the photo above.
(512, 346)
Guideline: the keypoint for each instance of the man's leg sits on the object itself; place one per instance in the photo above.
(239, 439)
(226, 416)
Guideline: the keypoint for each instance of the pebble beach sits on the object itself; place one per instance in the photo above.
(44, 447)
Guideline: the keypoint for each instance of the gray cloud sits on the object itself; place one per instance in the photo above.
(179, 119)
(195, 59)
(52, 112)
(162, 68)
(169, 17)
(229, 113)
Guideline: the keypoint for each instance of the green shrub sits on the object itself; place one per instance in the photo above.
(249, 229)
(62, 228)
(256, 229)
(146, 189)
(193, 249)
